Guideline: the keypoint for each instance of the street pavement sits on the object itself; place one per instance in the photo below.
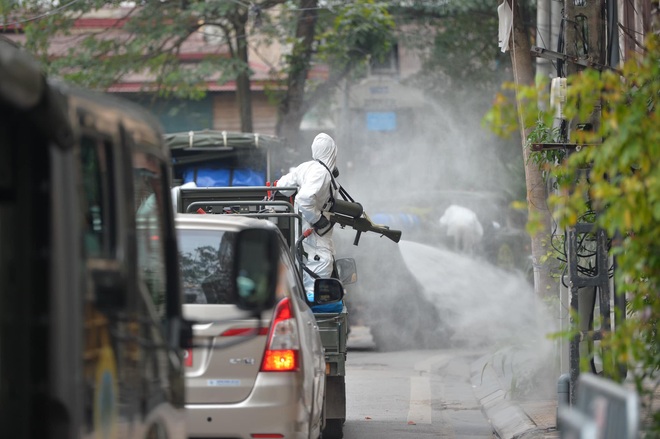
(493, 375)
(528, 418)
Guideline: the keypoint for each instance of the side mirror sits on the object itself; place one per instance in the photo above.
(347, 270)
(327, 290)
(256, 269)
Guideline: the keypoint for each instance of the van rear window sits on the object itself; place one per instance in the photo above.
(206, 261)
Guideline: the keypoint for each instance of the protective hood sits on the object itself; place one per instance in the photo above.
(325, 150)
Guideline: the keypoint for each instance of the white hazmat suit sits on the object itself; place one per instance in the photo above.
(463, 226)
(315, 187)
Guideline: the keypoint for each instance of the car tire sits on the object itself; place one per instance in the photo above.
(334, 429)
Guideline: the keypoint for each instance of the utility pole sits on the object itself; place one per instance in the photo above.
(584, 39)
(583, 44)
(589, 264)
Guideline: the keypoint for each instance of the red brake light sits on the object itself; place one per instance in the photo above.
(187, 358)
(283, 343)
(280, 360)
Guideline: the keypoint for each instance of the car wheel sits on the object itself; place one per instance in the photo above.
(334, 429)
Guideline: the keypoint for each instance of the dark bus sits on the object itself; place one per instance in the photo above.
(90, 301)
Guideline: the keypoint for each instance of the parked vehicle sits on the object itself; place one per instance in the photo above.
(91, 324)
(212, 158)
(262, 202)
(334, 329)
(248, 377)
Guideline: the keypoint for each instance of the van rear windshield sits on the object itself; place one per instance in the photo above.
(206, 261)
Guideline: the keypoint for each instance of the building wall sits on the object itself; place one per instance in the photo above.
(226, 114)
(177, 114)
(217, 111)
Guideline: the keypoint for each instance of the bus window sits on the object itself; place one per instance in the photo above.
(150, 213)
(97, 172)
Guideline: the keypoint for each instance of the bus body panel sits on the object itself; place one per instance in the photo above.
(90, 304)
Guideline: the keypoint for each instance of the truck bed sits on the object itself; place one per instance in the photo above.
(333, 328)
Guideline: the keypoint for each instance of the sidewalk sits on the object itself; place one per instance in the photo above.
(511, 419)
(529, 418)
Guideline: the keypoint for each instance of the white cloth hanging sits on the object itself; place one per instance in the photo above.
(505, 15)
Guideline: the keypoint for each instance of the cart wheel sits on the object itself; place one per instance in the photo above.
(334, 429)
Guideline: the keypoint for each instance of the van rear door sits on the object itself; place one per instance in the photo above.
(228, 344)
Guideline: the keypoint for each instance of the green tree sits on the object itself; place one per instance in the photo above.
(457, 45)
(156, 32)
(624, 188)
(619, 179)
(343, 37)
(153, 37)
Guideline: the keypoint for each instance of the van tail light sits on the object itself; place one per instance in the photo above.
(283, 345)
(187, 358)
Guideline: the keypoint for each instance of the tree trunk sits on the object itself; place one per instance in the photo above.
(243, 95)
(523, 71)
(292, 108)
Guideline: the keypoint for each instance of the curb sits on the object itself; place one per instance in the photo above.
(506, 417)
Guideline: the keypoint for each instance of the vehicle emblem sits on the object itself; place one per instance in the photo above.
(241, 360)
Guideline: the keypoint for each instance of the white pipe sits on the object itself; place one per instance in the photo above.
(543, 65)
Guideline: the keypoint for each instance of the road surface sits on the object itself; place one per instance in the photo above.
(410, 394)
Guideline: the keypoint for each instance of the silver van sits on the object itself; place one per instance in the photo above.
(247, 376)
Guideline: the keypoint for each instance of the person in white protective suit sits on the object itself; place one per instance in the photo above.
(464, 227)
(316, 192)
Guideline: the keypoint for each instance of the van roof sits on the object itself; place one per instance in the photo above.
(226, 222)
(220, 139)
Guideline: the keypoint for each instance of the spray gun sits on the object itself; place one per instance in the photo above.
(350, 213)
